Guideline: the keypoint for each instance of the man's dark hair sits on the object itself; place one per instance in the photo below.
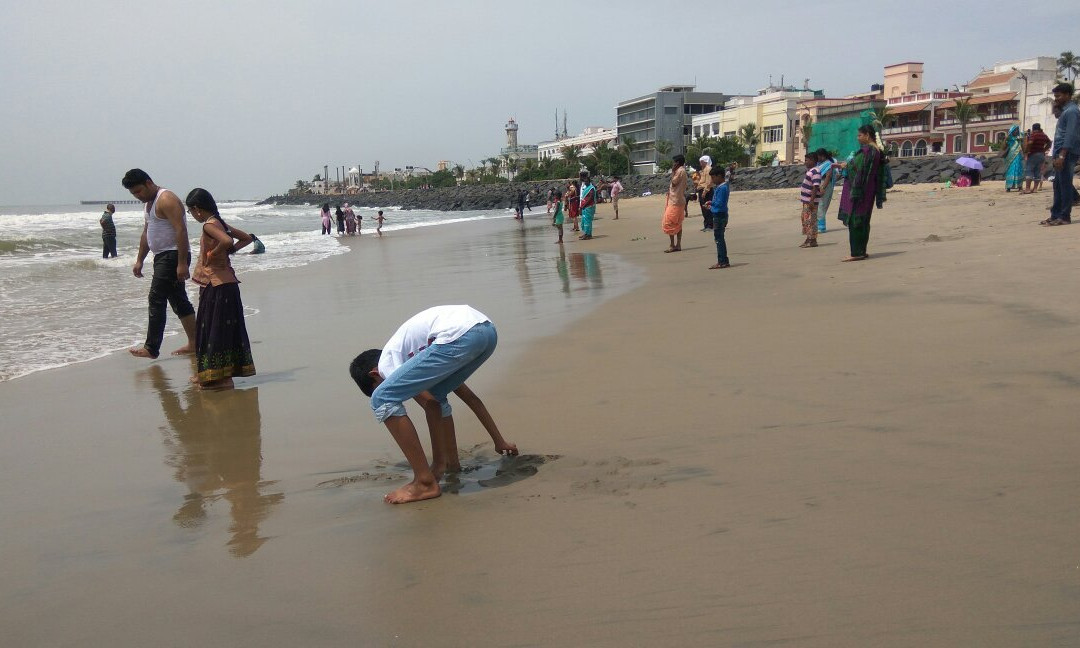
(1037, 127)
(584, 175)
(361, 367)
(134, 178)
(616, 177)
(717, 171)
(679, 158)
(1064, 88)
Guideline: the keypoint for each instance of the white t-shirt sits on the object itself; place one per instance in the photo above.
(436, 325)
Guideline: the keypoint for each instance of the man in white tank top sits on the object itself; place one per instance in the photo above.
(164, 234)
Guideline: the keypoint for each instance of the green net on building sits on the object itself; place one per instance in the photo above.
(839, 135)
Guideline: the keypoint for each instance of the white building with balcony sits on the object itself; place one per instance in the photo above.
(586, 142)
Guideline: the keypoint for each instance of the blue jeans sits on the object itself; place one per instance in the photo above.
(438, 369)
(719, 225)
(1063, 190)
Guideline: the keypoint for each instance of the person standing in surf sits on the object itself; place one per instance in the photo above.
(108, 232)
(165, 234)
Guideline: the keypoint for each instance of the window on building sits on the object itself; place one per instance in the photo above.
(671, 110)
(920, 148)
(772, 134)
(906, 150)
(697, 131)
(1000, 136)
(980, 139)
(957, 144)
(729, 133)
(716, 129)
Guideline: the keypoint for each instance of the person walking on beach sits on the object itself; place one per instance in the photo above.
(704, 186)
(222, 348)
(519, 205)
(718, 207)
(616, 191)
(1066, 150)
(808, 197)
(1014, 159)
(324, 217)
(108, 232)
(1037, 145)
(379, 221)
(675, 207)
(588, 206)
(829, 175)
(557, 219)
(165, 234)
(432, 354)
(350, 220)
(340, 214)
(863, 189)
(573, 203)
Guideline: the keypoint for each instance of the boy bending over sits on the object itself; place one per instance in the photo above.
(430, 355)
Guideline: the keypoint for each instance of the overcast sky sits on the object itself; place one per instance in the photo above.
(244, 97)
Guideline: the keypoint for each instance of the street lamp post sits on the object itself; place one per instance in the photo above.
(1023, 106)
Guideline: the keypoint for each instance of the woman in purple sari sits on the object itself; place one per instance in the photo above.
(863, 189)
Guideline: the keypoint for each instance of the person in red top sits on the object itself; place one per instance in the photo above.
(1036, 147)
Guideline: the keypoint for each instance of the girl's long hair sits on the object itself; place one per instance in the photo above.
(200, 198)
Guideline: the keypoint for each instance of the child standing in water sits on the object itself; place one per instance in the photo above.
(573, 202)
(379, 219)
(557, 218)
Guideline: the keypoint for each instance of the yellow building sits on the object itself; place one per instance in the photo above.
(774, 113)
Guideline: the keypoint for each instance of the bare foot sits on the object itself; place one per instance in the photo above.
(854, 258)
(412, 492)
(719, 266)
(217, 385)
(194, 380)
(141, 352)
(187, 349)
(506, 448)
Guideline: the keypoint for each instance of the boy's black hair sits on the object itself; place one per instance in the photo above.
(134, 178)
(1064, 88)
(680, 158)
(361, 367)
(717, 171)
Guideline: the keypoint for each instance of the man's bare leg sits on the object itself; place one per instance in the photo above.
(423, 486)
(188, 322)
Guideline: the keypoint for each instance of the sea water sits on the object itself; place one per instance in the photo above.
(61, 302)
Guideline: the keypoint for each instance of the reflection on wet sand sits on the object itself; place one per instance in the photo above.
(215, 447)
(585, 267)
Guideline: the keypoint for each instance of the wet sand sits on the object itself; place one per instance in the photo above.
(793, 451)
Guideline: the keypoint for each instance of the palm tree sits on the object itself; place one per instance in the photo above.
(964, 113)
(663, 147)
(882, 115)
(1068, 65)
(627, 144)
(301, 186)
(571, 153)
(749, 138)
(495, 164)
(459, 172)
(807, 128)
(512, 166)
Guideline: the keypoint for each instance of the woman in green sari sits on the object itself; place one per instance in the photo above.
(1014, 159)
(863, 189)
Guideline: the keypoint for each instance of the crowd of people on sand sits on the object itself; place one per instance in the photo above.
(349, 223)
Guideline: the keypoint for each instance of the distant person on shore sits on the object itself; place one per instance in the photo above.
(557, 219)
(519, 205)
(379, 221)
(432, 354)
(108, 232)
(573, 203)
(729, 177)
(222, 348)
(718, 207)
(588, 206)
(675, 206)
(1066, 150)
(340, 214)
(165, 234)
(257, 246)
(830, 174)
(703, 185)
(616, 190)
(550, 199)
(808, 198)
(863, 189)
(350, 220)
(1014, 159)
(324, 217)
(1037, 145)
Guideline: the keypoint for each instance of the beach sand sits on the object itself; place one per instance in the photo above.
(793, 451)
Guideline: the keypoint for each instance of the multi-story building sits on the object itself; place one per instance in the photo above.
(585, 142)
(773, 110)
(665, 115)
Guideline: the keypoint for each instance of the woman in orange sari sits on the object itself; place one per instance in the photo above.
(675, 210)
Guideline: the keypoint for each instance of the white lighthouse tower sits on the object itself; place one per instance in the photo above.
(511, 135)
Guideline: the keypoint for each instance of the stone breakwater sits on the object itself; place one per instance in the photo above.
(469, 197)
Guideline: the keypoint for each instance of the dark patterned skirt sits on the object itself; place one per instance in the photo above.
(222, 349)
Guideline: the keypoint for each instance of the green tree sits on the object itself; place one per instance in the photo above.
(626, 143)
(807, 128)
(459, 172)
(881, 117)
(495, 164)
(317, 178)
(749, 138)
(964, 113)
(663, 147)
(1068, 65)
(571, 153)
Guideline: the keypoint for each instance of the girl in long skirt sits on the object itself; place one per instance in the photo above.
(222, 348)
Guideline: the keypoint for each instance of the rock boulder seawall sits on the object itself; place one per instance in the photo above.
(471, 197)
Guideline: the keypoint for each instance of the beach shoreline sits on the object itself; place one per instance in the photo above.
(793, 450)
